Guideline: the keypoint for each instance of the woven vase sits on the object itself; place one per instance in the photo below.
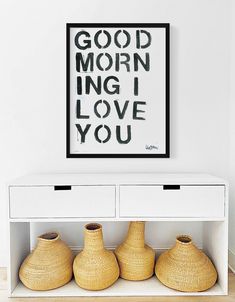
(49, 265)
(185, 268)
(95, 268)
(135, 258)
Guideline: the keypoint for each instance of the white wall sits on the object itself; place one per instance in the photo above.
(32, 93)
(232, 143)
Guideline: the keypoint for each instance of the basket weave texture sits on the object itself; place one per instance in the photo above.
(135, 258)
(185, 268)
(49, 265)
(95, 268)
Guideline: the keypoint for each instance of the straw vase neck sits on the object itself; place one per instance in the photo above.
(135, 235)
(93, 240)
(182, 246)
(47, 243)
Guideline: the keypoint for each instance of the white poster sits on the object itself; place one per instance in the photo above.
(118, 90)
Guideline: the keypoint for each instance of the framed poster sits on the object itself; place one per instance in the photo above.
(117, 90)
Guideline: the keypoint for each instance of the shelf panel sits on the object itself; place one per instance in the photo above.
(150, 287)
(85, 219)
(117, 178)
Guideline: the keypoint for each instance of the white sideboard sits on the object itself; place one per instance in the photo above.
(115, 198)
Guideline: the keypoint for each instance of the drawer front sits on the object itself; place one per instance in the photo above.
(184, 201)
(50, 201)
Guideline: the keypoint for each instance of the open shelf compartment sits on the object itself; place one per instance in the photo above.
(208, 235)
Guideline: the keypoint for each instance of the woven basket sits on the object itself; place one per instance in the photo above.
(185, 267)
(135, 258)
(95, 268)
(49, 266)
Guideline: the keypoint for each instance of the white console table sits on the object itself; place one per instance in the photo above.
(72, 198)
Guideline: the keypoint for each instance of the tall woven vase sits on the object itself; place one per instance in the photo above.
(95, 268)
(135, 258)
(186, 268)
(49, 265)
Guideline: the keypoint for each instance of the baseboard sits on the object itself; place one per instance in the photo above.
(76, 249)
(231, 260)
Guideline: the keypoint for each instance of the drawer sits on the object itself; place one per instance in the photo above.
(62, 201)
(184, 201)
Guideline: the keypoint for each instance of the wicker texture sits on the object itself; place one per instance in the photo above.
(49, 265)
(135, 258)
(185, 267)
(95, 268)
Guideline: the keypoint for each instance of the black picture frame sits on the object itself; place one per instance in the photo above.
(167, 89)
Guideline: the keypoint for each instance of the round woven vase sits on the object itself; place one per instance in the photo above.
(49, 265)
(95, 268)
(135, 258)
(185, 268)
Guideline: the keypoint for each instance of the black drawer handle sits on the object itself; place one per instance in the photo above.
(171, 187)
(62, 188)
